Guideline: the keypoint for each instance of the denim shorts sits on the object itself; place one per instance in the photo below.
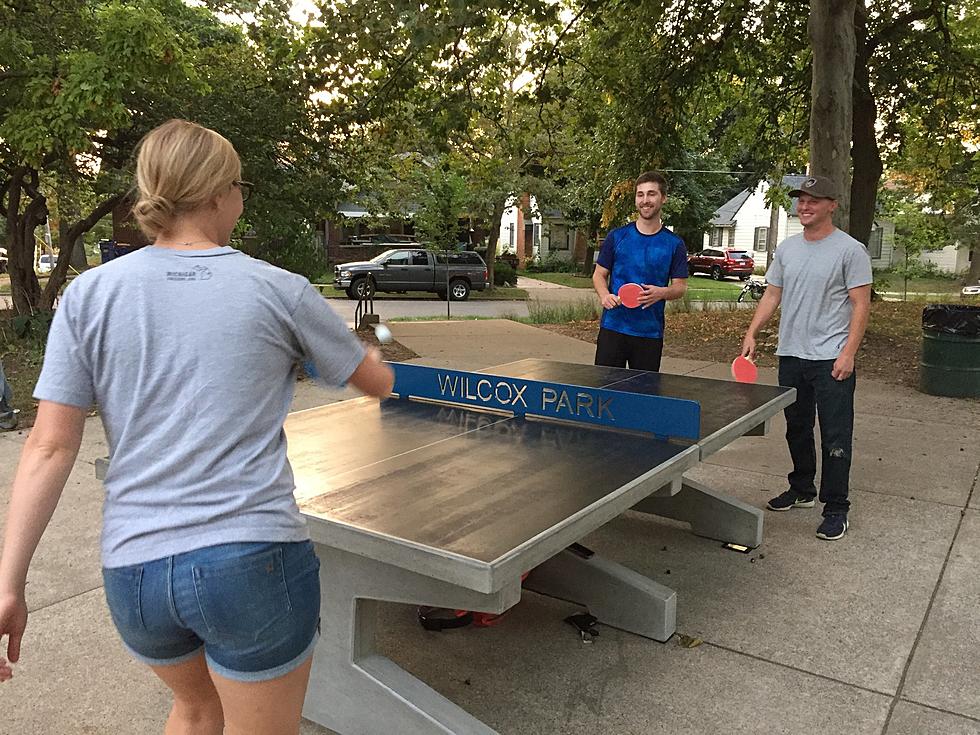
(253, 607)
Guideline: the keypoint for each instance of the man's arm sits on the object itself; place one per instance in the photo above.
(860, 298)
(763, 313)
(600, 282)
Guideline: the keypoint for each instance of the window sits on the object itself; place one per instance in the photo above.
(420, 258)
(761, 235)
(716, 236)
(464, 257)
(402, 257)
(874, 243)
(559, 237)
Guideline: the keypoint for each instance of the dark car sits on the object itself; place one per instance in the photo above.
(721, 262)
(400, 271)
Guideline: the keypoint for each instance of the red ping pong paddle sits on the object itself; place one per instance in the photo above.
(744, 370)
(629, 295)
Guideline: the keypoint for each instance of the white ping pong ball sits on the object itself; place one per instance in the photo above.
(383, 334)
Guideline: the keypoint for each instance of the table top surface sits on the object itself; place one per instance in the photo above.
(479, 485)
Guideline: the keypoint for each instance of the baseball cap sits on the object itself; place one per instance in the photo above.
(816, 186)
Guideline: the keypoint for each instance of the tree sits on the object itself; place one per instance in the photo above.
(434, 81)
(831, 31)
(70, 70)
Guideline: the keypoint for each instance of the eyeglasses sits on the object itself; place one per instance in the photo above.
(245, 186)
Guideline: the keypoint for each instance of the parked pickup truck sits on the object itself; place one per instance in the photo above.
(398, 271)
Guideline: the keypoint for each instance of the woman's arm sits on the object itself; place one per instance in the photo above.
(45, 464)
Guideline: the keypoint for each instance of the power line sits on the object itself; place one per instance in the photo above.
(705, 171)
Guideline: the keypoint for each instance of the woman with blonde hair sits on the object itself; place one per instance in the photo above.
(189, 348)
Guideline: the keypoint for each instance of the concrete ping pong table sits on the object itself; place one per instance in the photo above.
(446, 495)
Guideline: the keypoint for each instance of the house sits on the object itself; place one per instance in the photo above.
(950, 259)
(530, 232)
(358, 234)
(743, 223)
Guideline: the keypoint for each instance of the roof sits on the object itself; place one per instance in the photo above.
(725, 215)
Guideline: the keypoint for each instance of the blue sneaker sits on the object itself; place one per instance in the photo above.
(787, 500)
(8, 421)
(834, 526)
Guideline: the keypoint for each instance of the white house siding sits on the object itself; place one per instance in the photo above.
(507, 240)
(950, 259)
(753, 213)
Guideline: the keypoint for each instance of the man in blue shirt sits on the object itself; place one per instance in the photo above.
(646, 253)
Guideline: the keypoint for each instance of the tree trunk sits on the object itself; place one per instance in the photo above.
(498, 212)
(831, 32)
(864, 153)
(772, 234)
(60, 272)
(973, 275)
(25, 291)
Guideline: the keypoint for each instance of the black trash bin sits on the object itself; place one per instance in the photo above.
(110, 250)
(950, 364)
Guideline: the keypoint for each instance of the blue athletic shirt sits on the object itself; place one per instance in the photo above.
(632, 257)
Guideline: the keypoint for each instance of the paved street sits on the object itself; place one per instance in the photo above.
(389, 308)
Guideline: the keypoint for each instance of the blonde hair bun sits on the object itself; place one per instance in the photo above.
(181, 166)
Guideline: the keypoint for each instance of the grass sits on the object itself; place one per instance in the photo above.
(560, 313)
(700, 288)
(918, 288)
(572, 280)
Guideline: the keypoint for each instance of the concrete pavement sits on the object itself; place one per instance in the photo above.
(876, 633)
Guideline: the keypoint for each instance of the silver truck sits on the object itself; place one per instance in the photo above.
(403, 270)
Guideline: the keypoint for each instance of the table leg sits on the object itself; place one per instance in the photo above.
(353, 689)
(614, 594)
(709, 512)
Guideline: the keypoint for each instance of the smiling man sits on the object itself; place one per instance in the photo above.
(821, 278)
(646, 253)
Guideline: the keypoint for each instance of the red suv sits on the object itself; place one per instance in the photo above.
(721, 262)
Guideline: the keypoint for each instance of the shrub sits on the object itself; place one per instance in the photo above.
(504, 273)
(551, 264)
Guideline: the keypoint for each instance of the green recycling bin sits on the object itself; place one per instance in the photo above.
(950, 363)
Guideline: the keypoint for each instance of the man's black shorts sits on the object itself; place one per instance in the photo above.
(615, 349)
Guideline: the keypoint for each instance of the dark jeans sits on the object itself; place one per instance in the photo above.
(818, 394)
(615, 349)
(6, 395)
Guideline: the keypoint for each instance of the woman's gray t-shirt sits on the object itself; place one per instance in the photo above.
(191, 358)
(815, 277)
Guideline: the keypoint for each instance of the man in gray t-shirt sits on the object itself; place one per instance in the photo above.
(821, 279)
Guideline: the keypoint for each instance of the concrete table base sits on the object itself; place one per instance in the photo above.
(353, 689)
(710, 513)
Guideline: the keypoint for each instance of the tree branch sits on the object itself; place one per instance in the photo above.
(60, 271)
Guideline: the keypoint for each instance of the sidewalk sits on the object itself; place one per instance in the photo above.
(876, 633)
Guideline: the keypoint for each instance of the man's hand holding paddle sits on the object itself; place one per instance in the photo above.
(609, 301)
(633, 295)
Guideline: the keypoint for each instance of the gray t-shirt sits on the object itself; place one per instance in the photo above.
(191, 357)
(815, 277)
